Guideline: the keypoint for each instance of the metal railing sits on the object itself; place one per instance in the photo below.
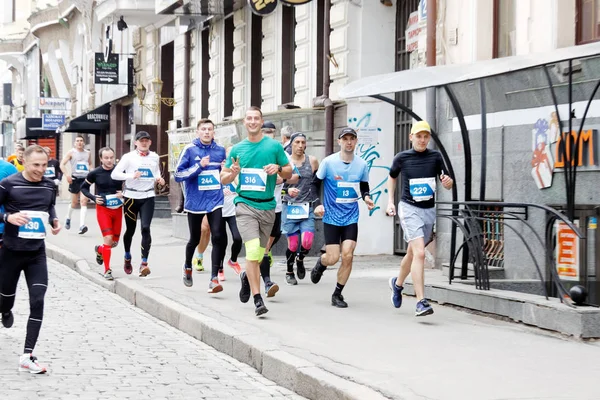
(472, 218)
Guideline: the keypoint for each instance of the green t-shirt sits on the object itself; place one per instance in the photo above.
(254, 183)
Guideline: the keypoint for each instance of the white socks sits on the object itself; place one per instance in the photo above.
(70, 212)
(82, 213)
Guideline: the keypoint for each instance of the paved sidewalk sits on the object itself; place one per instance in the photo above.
(97, 346)
(306, 345)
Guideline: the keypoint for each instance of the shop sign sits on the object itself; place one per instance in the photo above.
(262, 7)
(106, 69)
(51, 122)
(295, 2)
(52, 103)
(567, 252)
(412, 32)
(587, 149)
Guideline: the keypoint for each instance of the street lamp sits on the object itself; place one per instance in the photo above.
(156, 85)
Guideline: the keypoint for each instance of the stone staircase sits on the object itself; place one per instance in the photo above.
(162, 207)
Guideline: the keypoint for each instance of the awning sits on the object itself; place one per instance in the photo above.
(31, 128)
(93, 122)
(420, 78)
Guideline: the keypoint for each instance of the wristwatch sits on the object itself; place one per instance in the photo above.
(279, 167)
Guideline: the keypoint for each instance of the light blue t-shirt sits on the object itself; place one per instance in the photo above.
(342, 188)
(6, 169)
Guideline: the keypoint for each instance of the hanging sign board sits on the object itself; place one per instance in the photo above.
(262, 7)
(567, 252)
(106, 70)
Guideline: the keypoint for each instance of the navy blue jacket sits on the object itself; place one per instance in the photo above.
(202, 185)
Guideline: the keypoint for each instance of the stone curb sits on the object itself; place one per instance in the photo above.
(294, 373)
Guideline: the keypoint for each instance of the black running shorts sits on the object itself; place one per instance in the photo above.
(337, 234)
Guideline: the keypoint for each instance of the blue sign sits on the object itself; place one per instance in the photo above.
(51, 122)
(422, 10)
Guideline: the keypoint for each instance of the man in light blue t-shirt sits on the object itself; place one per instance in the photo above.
(346, 180)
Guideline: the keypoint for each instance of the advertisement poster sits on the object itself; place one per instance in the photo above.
(177, 142)
(567, 252)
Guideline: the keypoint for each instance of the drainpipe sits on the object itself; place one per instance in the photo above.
(186, 78)
(324, 100)
(431, 61)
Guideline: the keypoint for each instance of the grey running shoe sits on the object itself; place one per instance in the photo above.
(187, 277)
(214, 286)
(271, 288)
(108, 275)
(83, 229)
(68, 224)
(290, 279)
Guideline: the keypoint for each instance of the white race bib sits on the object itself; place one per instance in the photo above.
(147, 174)
(209, 180)
(297, 211)
(422, 189)
(81, 167)
(35, 228)
(113, 202)
(347, 192)
(50, 172)
(253, 179)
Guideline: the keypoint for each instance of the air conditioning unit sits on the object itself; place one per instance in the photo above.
(5, 113)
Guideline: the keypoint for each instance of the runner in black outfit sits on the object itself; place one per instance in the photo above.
(109, 212)
(28, 199)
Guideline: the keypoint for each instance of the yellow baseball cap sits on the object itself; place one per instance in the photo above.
(420, 126)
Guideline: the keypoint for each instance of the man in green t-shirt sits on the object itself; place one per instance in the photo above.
(257, 159)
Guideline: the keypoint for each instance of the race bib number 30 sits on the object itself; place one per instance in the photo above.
(422, 189)
(253, 179)
(209, 180)
(347, 192)
(297, 211)
(113, 202)
(35, 228)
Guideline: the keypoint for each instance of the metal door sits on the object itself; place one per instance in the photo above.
(403, 121)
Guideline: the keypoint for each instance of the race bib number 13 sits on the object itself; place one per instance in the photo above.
(347, 192)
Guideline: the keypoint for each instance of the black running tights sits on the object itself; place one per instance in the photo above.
(33, 264)
(236, 246)
(131, 209)
(218, 238)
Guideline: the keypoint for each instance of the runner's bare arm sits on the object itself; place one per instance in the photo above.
(391, 187)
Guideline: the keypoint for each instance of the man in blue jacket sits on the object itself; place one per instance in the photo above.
(199, 169)
(6, 169)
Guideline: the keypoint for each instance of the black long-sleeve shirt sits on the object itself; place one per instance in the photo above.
(18, 194)
(53, 170)
(104, 183)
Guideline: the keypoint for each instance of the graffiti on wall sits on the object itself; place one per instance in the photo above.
(368, 150)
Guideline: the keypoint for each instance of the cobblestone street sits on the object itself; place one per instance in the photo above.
(97, 346)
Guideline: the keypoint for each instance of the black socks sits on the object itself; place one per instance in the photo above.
(338, 289)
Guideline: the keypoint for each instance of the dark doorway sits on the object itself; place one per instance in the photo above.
(403, 121)
(166, 113)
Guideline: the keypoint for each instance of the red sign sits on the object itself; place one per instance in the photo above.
(567, 252)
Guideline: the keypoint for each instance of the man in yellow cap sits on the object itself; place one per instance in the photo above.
(419, 167)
